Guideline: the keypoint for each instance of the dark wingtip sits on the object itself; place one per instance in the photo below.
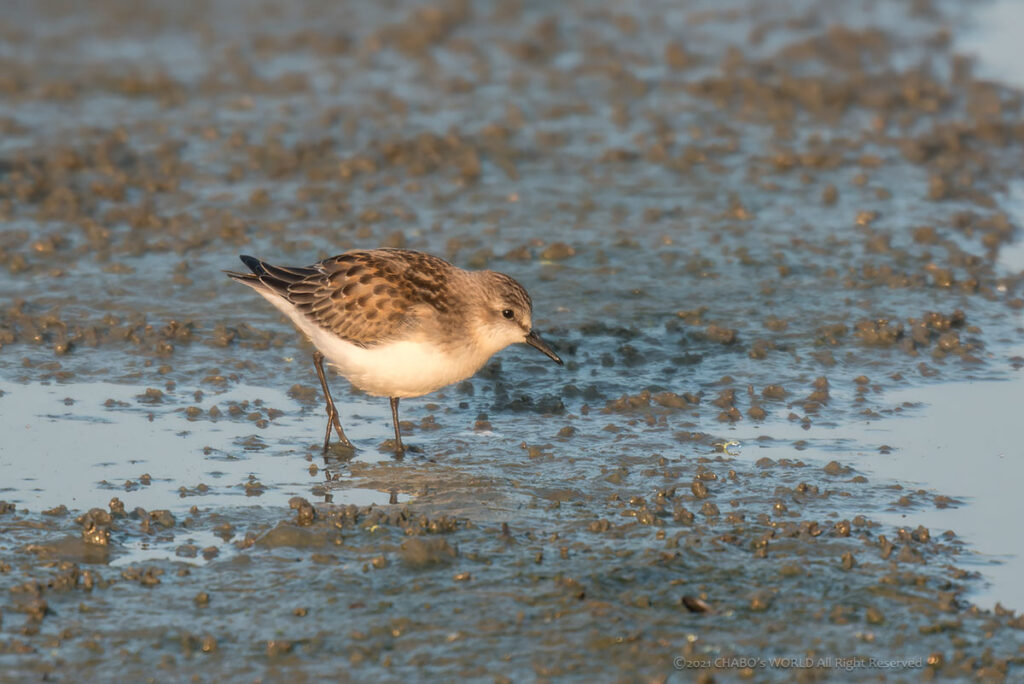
(239, 276)
(254, 264)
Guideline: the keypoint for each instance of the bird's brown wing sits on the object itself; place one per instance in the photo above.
(366, 297)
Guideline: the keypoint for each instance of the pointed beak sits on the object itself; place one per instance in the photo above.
(533, 339)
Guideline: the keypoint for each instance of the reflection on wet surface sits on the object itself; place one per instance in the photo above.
(964, 439)
(957, 439)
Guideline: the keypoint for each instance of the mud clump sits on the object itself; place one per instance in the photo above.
(557, 251)
(304, 394)
(836, 468)
(422, 553)
(721, 335)
(95, 527)
(305, 514)
(647, 402)
(294, 536)
(879, 332)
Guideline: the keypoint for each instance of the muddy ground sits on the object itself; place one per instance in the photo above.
(759, 216)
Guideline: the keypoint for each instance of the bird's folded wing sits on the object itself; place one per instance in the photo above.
(371, 297)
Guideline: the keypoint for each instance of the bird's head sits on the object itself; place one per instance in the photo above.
(506, 316)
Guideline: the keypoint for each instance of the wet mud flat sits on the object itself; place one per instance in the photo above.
(749, 229)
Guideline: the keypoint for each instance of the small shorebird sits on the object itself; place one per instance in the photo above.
(395, 322)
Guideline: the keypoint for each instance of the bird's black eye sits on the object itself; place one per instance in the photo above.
(509, 314)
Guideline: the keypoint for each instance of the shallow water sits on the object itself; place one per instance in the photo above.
(959, 439)
(766, 224)
(97, 440)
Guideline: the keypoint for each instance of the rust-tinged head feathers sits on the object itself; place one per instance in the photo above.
(505, 312)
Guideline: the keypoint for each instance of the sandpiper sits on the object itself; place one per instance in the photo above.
(395, 322)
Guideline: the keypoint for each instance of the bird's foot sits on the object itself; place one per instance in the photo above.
(339, 451)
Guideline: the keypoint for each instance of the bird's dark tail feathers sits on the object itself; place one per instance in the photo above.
(276, 278)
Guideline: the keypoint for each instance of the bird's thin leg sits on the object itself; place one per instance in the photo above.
(399, 448)
(332, 412)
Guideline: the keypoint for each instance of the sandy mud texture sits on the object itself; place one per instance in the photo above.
(756, 213)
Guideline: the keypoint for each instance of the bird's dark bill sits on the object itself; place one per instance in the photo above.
(533, 339)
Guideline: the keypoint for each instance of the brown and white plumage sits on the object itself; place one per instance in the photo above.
(399, 323)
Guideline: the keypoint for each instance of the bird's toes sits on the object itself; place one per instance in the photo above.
(340, 451)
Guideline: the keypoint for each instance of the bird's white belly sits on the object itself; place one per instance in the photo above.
(398, 369)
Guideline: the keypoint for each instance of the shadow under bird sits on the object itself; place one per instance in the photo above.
(395, 322)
